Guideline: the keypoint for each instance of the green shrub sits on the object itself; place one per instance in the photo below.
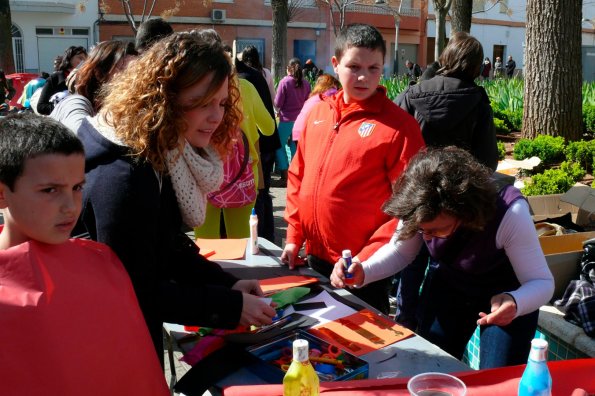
(582, 152)
(549, 149)
(573, 169)
(501, 150)
(552, 181)
(589, 117)
(501, 127)
(515, 118)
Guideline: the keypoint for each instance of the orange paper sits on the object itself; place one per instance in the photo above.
(222, 249)
(273, 285)
(361, 333)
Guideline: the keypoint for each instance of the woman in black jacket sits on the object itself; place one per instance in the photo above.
(153, 152)
(7, 91)
(73, 56)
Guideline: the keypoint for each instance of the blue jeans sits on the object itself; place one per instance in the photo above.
(450, 318)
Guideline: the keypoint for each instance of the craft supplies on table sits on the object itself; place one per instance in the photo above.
(330, 363)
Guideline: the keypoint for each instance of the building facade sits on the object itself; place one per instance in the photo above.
(310, 32)
(42, 30)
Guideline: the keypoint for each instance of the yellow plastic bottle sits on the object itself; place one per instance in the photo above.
(300, 379)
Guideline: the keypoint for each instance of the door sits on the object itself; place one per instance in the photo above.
(258, 43)
(304, 50)
(406, 51)
(588, 63)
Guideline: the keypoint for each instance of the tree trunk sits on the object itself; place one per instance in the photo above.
(6, 57)
(441, 8)
(279, 53)
(553, 69)
(460, 15)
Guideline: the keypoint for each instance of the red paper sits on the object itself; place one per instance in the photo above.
(273, 285)
(567, 375)
(71, 325)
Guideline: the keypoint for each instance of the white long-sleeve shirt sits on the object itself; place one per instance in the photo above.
(516, 235)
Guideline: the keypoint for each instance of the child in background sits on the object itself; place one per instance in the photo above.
(67, 306)
(326, 85)
(292, 92)
(354, 146)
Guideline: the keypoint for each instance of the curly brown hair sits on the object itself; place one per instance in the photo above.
(141, 103)
(443, 180)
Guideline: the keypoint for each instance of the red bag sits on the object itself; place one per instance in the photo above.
(238, 178)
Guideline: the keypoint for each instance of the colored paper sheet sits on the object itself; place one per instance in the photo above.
(273, 285)
(222, 249)
(567, 376)
(361, 333)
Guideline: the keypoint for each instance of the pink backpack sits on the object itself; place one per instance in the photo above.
(238, 188)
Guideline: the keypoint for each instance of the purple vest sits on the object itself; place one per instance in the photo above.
(470, 262)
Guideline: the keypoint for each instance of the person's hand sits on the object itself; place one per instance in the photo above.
(249, 286)
(255, 311)
(503, 311)
(338, 274)
(289, 255)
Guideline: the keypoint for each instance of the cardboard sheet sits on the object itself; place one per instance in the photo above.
(272, 285)
(222, 249)
(361, 332)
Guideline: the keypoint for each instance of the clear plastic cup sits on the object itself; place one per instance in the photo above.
(436, 384)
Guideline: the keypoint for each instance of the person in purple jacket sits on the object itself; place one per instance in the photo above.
(292, 92)
(491, 269)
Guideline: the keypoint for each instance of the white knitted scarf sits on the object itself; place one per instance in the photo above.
(193, 174)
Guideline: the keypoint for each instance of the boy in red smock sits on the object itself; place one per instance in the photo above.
(69, 319)
(354, 146)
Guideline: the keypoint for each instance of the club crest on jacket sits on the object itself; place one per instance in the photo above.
(366, 129)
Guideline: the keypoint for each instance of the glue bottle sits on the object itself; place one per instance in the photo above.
(346, 254)
(301, 379)
(536, 379)
(253, 232)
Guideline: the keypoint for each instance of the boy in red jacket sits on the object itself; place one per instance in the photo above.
(354, 146)
(69, 317)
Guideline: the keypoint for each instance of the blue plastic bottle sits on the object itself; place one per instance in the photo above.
(536, 379)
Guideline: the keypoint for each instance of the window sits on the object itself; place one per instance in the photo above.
(80, 32)
(41, 31)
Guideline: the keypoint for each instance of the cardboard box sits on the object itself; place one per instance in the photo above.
(579, 201)
(267, 354)
(548, 206)
(563, 254)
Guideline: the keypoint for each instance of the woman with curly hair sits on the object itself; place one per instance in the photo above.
(491, 269)
(153, 152)
(73, 56)
(105, 60)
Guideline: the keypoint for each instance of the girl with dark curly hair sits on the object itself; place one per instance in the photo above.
(153, 152)
(491, 269)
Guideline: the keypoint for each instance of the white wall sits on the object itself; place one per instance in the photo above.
(29, 15)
